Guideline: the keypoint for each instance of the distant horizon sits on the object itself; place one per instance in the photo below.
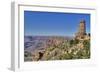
(50, 35)
(53, 23)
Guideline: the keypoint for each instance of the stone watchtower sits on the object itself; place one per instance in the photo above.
(81, 30)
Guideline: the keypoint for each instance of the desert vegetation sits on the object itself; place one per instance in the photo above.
(59, 49)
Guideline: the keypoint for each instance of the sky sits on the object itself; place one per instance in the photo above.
(53, 23)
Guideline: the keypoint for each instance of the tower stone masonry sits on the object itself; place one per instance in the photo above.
(81, 30)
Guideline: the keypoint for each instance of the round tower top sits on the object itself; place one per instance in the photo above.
(82, 21)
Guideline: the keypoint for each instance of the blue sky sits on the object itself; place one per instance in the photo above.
(53, 23)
